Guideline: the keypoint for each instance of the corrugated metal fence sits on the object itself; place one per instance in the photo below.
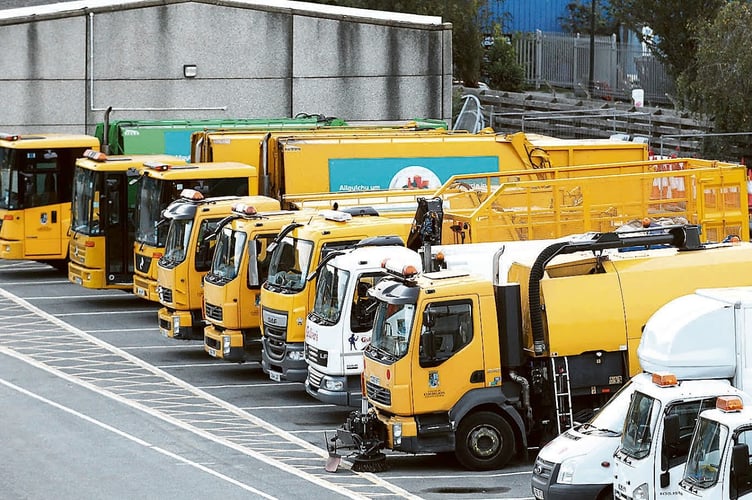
(563, 60)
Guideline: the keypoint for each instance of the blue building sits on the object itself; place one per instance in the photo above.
(528, 15)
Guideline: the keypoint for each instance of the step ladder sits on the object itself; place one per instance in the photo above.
(562, 393)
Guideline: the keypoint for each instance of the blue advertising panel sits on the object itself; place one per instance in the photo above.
(365, 174)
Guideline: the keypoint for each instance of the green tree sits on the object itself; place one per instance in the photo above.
(674, 24)
(722, 85)
(500, 64)
(577, 18)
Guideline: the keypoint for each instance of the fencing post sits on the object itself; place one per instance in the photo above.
(538, 58)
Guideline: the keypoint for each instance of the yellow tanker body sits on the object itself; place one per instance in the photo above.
(103, 208)
(189, 250)
(458, 363)
(232, 287)
(36, 178)
(287, 296)
(324, 160)
(419, 161)
(157, 189)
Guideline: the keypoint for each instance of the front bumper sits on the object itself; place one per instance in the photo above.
(145, 287)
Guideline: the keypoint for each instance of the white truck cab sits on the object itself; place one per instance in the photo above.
(718, 465)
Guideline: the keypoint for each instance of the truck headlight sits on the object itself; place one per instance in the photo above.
(397, 434)
(175, 325)
(332, 384)
(566, 472)
(296, 355)
(642, 492)
(226, 344)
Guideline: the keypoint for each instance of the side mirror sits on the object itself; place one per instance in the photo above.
(740, 469)
(428, 343)
(428, 318)
(671, 430)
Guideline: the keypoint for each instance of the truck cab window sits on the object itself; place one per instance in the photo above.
(451, 329)
(688, 412)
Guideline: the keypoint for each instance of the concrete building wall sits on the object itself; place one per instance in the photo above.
(63, 68)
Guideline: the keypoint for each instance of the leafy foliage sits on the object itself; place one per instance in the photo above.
(500, 65)
(674, 24)
(722, 87)
(577, 18)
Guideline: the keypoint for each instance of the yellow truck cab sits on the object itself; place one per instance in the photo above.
(157, 189)
(103, 210)
(232, 287)
(188, 254)
(36, 178)
(288, 293)
(459, 364)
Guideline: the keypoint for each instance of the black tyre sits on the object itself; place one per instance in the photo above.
(484, 441)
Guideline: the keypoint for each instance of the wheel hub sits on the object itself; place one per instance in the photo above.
(484, 442)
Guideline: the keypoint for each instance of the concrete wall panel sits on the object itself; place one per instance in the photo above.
(371, 99)
(223, 42)
(37, 104)
(329, 48)
(44, 50)
(62, 70)
(139, 99)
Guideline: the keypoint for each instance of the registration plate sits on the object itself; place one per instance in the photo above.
(212, 352)
(140, 292)
(277, 377)
(164, 332)
(538, 493)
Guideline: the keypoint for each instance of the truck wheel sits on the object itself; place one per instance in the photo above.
(484, 441)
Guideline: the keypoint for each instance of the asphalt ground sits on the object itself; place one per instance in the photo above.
(95, 403)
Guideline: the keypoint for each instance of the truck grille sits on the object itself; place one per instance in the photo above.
(213, 343)
(276, 351)
(314, 377)
(165, 294)
(543, 469)
(275, 333)
(378, 394)
(316, 356)
(213, 312)
(143, 263)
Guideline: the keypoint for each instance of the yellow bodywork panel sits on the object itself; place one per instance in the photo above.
(606, 309)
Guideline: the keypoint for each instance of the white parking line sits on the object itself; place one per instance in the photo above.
(284, 407)
(191, 365)
(105, 313)
(148, 347)
(90, 296)
(135, 439)
(38, 282)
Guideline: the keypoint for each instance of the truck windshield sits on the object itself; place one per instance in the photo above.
(609, 420)
(391, 328)
(85, 210)
(331, 289)
(639, 426)
(290, 262)
(705, 454)
(178, 239)
(150, 203)
(228, 254)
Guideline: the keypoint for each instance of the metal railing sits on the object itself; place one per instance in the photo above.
(563, 60)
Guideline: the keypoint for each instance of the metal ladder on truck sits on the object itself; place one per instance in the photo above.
(562, 393)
